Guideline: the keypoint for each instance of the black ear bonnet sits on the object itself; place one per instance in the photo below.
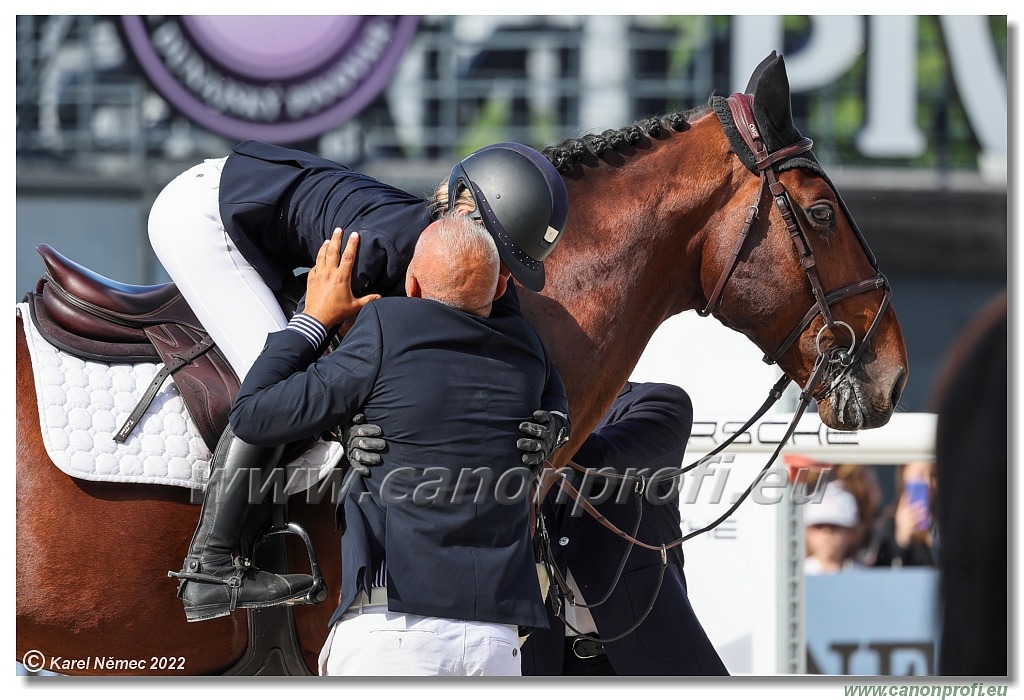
(773, 113)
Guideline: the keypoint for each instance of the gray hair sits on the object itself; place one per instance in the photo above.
(457, 264)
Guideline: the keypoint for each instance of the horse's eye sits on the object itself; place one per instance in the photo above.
(821, 215)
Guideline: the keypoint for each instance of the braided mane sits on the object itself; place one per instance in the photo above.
(592, 146)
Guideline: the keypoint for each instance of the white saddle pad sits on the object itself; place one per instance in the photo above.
(82, 404)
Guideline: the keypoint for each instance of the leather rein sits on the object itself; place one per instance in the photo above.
(838, 358)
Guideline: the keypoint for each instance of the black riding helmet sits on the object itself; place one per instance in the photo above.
(522, 201)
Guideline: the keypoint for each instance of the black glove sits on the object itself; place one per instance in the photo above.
(362, 443)
(550, 431)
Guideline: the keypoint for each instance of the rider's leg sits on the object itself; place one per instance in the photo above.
(211, 583)
(238, 310)
(228, 296)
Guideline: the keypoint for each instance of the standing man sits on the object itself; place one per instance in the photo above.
(228, 231)
(646, 429)
(437, 561)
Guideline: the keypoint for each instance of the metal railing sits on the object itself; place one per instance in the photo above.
(83, 104)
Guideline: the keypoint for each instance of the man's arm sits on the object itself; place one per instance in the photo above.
(549, 428)
(284, 398)
(652, 431)
(554, 398)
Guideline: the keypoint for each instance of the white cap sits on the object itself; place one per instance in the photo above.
(837, 507)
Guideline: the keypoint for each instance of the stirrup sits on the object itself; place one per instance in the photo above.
(318, 591)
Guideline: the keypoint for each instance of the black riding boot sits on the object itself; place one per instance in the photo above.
(213, 581)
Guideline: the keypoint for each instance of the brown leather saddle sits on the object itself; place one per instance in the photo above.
(96, 318)
(99, 319)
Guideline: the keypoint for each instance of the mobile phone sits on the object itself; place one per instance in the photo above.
(917, 494)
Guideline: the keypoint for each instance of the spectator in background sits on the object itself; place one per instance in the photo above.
(830, 530)
(906, 534)
(859, 480)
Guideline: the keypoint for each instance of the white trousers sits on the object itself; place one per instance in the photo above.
(226, 293)
(376, 642)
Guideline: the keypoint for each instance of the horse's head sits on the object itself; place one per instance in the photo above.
(726, 214)
(797, 277)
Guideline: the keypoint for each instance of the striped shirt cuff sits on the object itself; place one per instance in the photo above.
(311, 329)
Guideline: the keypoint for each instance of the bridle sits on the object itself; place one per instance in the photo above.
(839, 357)
(766, 164)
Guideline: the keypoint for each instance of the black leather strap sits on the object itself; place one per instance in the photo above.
(180, 360)
(583, 648)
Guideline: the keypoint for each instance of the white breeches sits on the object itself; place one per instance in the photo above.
(376, 642)
(226, 293)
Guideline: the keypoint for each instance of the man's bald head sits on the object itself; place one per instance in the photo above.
(456, 263)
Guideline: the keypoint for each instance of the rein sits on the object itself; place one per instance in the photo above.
(558, 582)
(765, 162)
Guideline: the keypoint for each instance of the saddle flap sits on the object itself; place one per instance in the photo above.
(95, 318)
(206, 383)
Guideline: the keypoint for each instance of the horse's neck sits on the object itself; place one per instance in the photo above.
(629, 260)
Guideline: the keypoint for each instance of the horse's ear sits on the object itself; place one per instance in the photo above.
(772, 109)
(756, 75)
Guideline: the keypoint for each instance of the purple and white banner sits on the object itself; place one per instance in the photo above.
(273, 78)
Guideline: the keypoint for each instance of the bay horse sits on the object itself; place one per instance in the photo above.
(722, 209)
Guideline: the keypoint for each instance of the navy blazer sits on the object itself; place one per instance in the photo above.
(449, 390)
(646, 427)
(279, 205)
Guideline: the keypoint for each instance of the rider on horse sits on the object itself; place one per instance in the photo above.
(265, 211)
